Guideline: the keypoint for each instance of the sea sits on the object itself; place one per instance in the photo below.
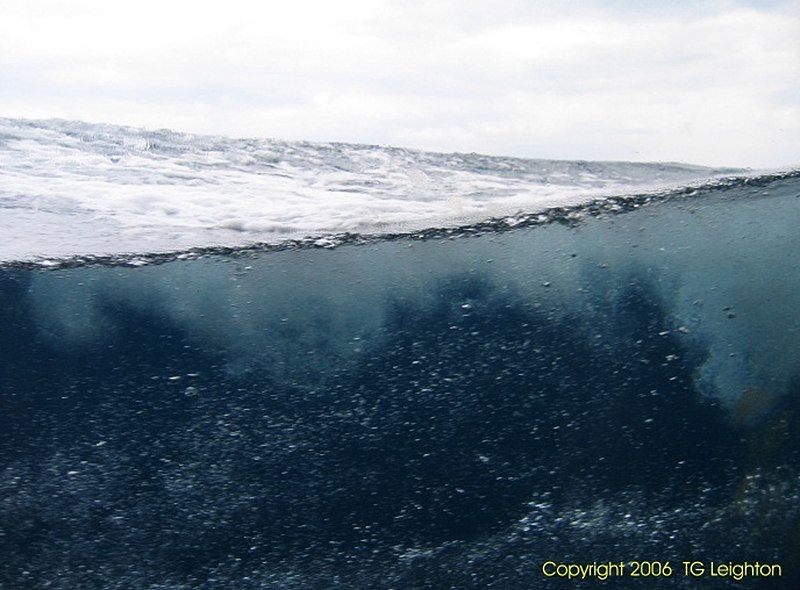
(260, 364)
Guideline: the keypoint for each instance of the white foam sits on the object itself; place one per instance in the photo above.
(70, 188)
(722, 270)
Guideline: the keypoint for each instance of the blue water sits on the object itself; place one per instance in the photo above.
(413, 413)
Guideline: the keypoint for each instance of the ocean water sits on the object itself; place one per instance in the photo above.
(71, 189)
(417, 405)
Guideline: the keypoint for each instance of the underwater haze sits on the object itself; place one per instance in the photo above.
(615, 379)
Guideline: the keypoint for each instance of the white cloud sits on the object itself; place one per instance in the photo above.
(714, 84)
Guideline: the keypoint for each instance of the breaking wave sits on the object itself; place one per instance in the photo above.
(433, 406)
(71, 188)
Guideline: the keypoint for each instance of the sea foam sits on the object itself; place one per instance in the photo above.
(71, 188)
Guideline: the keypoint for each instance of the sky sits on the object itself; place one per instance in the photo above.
(714, 82)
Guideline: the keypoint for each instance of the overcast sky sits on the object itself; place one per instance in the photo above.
(714, 82)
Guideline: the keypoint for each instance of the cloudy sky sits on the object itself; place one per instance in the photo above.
(715, 82)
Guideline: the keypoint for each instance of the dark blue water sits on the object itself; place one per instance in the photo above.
(442, 414)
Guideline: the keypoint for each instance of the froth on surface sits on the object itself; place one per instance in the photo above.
(72, 188)
(721, 268)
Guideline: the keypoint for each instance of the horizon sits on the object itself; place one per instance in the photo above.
(714, 84)
(145, 129)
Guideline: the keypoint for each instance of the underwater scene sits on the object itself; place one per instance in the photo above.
(604, 395)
